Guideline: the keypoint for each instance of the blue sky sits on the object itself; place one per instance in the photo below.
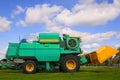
(96, 21)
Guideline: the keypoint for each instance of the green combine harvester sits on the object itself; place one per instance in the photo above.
(50, 51)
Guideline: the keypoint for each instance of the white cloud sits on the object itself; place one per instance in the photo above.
(4, 24)
(86, 12)
(118, 36)
(98, 37)
(116, 45)
(39, 14)
(91, 14)
(2, 54)
(21, 22)
(90, 47)
(117, 3)
(85, 36)
(18, 11)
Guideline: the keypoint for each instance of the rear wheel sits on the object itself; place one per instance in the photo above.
(29, 67)
(70, 63)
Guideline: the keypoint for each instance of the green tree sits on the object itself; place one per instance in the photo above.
(116, 59)
(118, 54)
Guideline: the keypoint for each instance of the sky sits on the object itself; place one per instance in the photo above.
(97, 22)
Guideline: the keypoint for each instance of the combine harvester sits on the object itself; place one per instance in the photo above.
(50, 51)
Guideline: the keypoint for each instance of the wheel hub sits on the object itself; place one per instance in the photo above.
(70, 64)
(29, 67)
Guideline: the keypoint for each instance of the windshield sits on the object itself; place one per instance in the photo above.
(29, 38)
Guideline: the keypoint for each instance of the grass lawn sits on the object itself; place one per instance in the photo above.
(86, 73)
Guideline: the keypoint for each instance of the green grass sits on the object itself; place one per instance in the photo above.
(86, 73)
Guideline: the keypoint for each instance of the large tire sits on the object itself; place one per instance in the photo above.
(29, 67)
(70, 63)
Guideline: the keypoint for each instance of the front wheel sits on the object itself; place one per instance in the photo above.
(29, 67)
(70, 63)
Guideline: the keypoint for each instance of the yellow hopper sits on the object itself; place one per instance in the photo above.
(102, 54)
